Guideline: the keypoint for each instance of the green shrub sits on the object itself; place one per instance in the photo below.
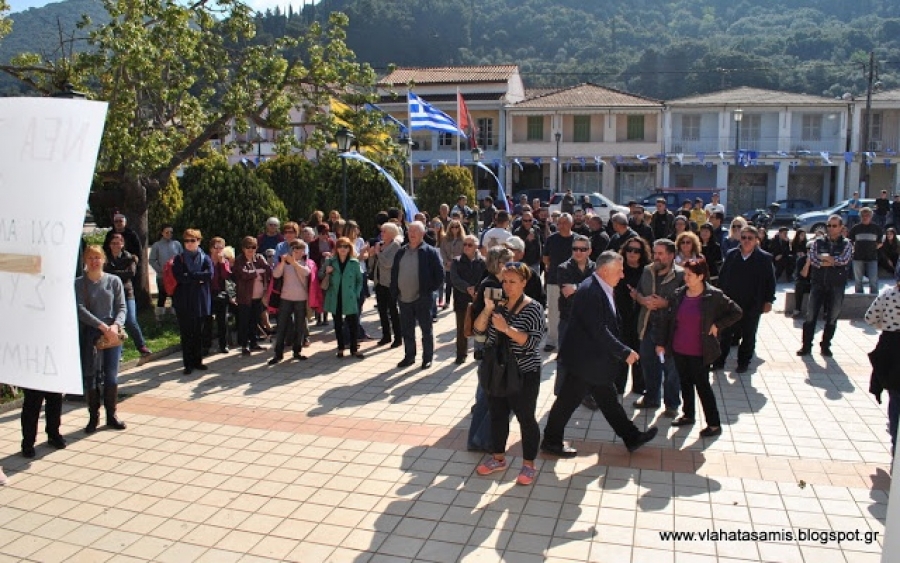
(293, 179)
(164, 209)
(444, 184)
(228, 201)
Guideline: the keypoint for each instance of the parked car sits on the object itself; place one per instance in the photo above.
(603, 206)
(675, 197)
(813, 220)
(788, 209)
(542, 194)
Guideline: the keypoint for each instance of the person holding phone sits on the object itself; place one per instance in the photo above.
(295, 269)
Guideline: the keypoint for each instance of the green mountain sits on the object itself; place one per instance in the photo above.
(656, 48)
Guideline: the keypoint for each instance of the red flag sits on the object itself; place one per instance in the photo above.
(465, 121)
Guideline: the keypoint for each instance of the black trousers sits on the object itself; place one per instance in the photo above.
(694, 374)
(190, 328)
(388, 312)
(570, 396)
(462, 343)
(248, 321)
(219, 320)
(31, 412)
(523, 405)
(745, 330)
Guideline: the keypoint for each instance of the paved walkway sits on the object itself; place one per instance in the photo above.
(349, 460)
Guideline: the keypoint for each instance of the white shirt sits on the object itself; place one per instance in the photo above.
(495, 236)
(711, 208)
(608, 290)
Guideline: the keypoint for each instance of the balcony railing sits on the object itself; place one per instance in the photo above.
(712, 145)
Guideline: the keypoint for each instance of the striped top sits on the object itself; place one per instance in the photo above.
(529, 320)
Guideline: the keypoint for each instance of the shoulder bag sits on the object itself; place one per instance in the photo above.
(325, 282)
(498, 373)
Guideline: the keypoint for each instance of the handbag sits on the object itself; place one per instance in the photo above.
(104, 341)
(325, 282)
(469, 322)
(498, 373)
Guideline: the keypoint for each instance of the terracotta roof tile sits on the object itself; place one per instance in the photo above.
(437, 98)
(746, 95)
(449, 75)
(587, 95)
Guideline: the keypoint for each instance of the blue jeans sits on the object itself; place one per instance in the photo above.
(868, 268)
(654, 372)
(111, 365)
(417, 312)
(893, 415)
(480, 427)
(131, 325)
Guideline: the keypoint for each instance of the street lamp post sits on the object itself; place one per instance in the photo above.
(344, 138)
(872, 85)
(407, 144)
(558, 139)
(738, 116)
(476, 158)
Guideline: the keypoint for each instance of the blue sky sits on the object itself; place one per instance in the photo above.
(20, 5)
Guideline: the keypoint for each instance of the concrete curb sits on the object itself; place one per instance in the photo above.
(131, 364)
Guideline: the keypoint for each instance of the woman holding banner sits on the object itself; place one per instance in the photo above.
(100, 298)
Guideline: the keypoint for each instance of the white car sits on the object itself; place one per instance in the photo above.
(603, 206)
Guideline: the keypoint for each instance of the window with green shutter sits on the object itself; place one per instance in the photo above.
(635, 127)
(535, 127)
(582, 128)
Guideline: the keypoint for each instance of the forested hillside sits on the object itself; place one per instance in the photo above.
(659, 49)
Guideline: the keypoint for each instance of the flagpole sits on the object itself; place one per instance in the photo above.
(412, 191)
(458, 120)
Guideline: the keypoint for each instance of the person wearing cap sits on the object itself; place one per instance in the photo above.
(269, 238)
(132, 241)
(534, 287)
(698, 214)
(884, 314)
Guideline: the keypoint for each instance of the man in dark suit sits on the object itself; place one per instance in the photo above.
(590, 349)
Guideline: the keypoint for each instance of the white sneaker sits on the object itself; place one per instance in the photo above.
(3, 478)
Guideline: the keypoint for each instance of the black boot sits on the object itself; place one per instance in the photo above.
(808, 330)
(110, 400)
(827, 335)
(93, 401)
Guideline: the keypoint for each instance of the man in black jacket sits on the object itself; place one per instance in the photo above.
(590, 350)
(417, 272)
(528, 232)
(748, 278)
(637, 224)
(466, 272)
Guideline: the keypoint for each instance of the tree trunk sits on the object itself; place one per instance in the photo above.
(134, 208)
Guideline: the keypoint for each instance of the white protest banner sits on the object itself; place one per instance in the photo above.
(48, 150)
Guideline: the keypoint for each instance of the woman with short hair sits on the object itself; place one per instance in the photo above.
(341, 298)
(251, 275)
(451, 248)
(193, 270)
(295, 269)
(220, 296)
(383, 264)
(100, 298)
(123, 264)
(696, 314)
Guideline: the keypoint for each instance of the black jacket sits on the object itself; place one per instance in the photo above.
(592, 347)
(465, 273)
(750, 282)
(566, 274)
(715, 309)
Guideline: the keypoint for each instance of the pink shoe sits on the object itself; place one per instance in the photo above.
(491, 466)
(526, 475)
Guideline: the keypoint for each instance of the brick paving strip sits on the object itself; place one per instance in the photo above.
(708, 464)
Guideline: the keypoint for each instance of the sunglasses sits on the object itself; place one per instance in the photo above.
(735, 227)
(579, 249)
(218, 248)
(686, 243)
(835, 226)
(528, 220)
(345, 246)
(248, 247)
(748, 237)
(468, 244)
(513, 265)
(634, 250)
(454, 228)
(190, 240)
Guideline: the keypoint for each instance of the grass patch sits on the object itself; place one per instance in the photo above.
(9, 393)
(159, 335)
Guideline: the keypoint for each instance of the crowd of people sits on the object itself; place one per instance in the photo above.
(657, 297)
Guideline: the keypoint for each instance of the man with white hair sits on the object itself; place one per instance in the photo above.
(417, 273)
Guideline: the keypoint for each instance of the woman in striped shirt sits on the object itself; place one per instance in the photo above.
(521, 319)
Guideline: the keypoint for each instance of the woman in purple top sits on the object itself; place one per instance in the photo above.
(697, 313)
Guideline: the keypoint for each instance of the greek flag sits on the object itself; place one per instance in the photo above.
(423, 115)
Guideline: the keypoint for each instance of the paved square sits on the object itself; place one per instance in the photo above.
(354, 460)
